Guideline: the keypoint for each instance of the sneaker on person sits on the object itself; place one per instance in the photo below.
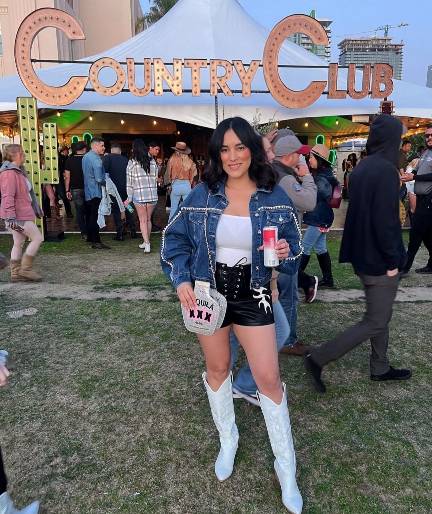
(427, 270)
(251, 398)
(145, 246)
(393, 374)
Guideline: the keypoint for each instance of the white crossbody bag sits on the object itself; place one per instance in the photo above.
(209, 313)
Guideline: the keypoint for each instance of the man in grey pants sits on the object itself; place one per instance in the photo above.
(372, 243)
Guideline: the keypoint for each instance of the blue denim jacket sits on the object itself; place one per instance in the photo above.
(188, 251)
(94, 175)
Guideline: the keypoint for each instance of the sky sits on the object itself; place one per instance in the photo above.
(354, 18)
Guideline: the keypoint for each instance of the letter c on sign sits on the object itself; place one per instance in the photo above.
(285, 28)
(29, 28)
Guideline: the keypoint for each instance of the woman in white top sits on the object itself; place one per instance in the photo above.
(141, 187)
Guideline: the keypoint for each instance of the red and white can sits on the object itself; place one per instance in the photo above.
(270, 237)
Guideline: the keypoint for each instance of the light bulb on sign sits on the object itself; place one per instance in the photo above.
(337, 122)
(122, 122)
(58, 114)
(306, 125)
(90, 118)
(154, 122)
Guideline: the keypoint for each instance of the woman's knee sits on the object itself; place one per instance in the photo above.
(268, 381)
(218, 373)
(18, 245)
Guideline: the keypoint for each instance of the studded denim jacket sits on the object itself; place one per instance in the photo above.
(188, 251)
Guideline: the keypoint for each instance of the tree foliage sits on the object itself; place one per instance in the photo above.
(158, 8)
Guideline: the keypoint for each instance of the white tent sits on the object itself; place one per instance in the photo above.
(214, 29)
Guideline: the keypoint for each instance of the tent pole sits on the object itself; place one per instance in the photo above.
(217, 110)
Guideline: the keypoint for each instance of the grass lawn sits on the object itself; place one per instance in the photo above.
(106, 412)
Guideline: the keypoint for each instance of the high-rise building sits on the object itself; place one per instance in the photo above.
(106, 23)
(372, 50)
(429, 77)
(305, 42)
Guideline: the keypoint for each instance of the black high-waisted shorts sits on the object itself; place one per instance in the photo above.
(245, 306)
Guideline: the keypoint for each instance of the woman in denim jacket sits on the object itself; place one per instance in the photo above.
(321, 218)
(216, 237)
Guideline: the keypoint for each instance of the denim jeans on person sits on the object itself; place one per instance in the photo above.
(179, 190)
(288, 298)
(314, 239)
(244, 380)
(79, 202)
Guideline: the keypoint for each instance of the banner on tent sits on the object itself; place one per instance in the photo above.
(377, 80)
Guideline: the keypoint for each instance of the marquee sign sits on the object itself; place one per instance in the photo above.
(377, 80)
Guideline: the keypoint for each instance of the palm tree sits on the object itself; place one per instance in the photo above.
(158, 8)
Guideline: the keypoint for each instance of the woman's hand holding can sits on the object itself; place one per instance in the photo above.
(282, 249)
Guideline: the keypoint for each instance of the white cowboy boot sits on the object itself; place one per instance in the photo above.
(279, 430)
(222, 409)
(7, 506)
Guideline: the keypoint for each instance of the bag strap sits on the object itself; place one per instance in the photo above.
(206, 239)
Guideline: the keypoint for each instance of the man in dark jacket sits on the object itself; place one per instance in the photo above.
(115, 165)
(372, 243)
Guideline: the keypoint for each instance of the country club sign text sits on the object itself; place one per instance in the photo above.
(377, 80)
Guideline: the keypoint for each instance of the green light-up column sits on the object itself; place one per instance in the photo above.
(29, 133)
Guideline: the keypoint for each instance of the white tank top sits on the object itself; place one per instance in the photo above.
(234, 240)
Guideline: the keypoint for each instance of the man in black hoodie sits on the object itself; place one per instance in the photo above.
(372, 243)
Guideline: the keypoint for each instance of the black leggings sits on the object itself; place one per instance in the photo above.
(3, 479)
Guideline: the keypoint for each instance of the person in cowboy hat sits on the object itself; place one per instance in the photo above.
(181, 171)
(321, 218)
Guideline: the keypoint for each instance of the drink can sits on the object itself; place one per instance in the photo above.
(130, 208)
(270, 237)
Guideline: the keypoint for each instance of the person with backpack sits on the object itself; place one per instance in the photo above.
(320, 219)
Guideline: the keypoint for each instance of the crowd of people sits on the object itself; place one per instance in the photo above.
(215, 235)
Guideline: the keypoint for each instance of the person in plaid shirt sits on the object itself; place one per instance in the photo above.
(141, 187)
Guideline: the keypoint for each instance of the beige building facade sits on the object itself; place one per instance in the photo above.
(106, 23)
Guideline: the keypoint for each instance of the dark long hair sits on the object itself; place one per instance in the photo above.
(322, 164)
(140, 154)
(260, 170)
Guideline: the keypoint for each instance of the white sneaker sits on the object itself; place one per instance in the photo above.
(7, 506)
(251, 398)
(147, 248)
(143, 245)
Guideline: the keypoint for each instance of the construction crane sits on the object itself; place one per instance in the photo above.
(386, 28)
